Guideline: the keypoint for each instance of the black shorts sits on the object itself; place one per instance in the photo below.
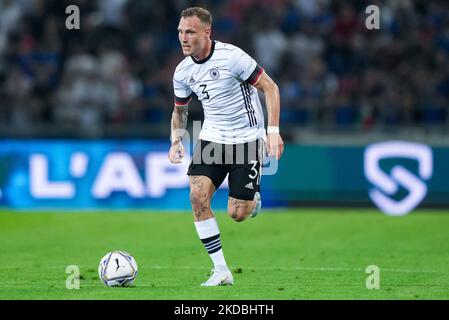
(241, 161)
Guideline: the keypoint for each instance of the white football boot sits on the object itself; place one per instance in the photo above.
(258, 205)
(219, 278)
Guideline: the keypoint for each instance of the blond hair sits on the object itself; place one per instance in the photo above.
(201, 13)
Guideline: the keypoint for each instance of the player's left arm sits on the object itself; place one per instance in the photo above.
(275, 144)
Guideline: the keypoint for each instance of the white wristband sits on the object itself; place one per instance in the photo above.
(272, 129)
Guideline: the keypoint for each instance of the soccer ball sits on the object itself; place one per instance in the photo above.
(117, 269)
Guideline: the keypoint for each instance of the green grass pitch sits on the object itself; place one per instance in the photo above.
(287, 254)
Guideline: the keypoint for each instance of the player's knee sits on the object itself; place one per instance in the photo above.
(237, 214)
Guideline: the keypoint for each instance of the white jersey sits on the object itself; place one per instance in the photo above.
(222, 82)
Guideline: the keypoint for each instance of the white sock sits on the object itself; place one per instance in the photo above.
(210, 237)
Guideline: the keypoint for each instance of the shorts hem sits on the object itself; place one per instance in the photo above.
(242, 197)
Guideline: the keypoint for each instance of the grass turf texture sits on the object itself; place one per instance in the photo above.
(290, 254)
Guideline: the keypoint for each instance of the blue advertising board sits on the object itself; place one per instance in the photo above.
(92, 174)
(394, 176)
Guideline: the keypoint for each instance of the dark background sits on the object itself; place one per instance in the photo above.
(113, 77)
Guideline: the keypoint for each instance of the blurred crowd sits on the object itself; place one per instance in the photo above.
(116, 70)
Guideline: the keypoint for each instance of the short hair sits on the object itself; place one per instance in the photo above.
(201, 13)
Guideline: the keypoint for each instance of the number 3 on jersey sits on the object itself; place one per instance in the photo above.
(204, 92)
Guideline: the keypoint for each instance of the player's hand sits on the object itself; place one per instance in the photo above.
(275, 145)
(176, 153)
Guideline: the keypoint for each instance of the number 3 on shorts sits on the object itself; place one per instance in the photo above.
(254, 173)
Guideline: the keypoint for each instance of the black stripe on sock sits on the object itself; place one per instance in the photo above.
(214, 250)
(207, 240)
(212, 243)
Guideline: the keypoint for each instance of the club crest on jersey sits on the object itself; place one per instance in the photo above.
(191, 81)
(214, 74)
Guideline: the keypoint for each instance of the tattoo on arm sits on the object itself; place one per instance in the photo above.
(178, 122)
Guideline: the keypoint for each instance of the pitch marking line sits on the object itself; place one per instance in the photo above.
(297, 269)
(274, 268)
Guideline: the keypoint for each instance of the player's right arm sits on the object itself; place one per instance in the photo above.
(178, 127)
(183, 95)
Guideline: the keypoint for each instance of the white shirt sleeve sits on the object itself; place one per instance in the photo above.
(181, 89)
(242, 65)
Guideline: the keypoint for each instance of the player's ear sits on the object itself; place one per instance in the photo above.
(207, 31)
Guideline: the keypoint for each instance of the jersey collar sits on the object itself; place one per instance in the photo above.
(212, 48)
